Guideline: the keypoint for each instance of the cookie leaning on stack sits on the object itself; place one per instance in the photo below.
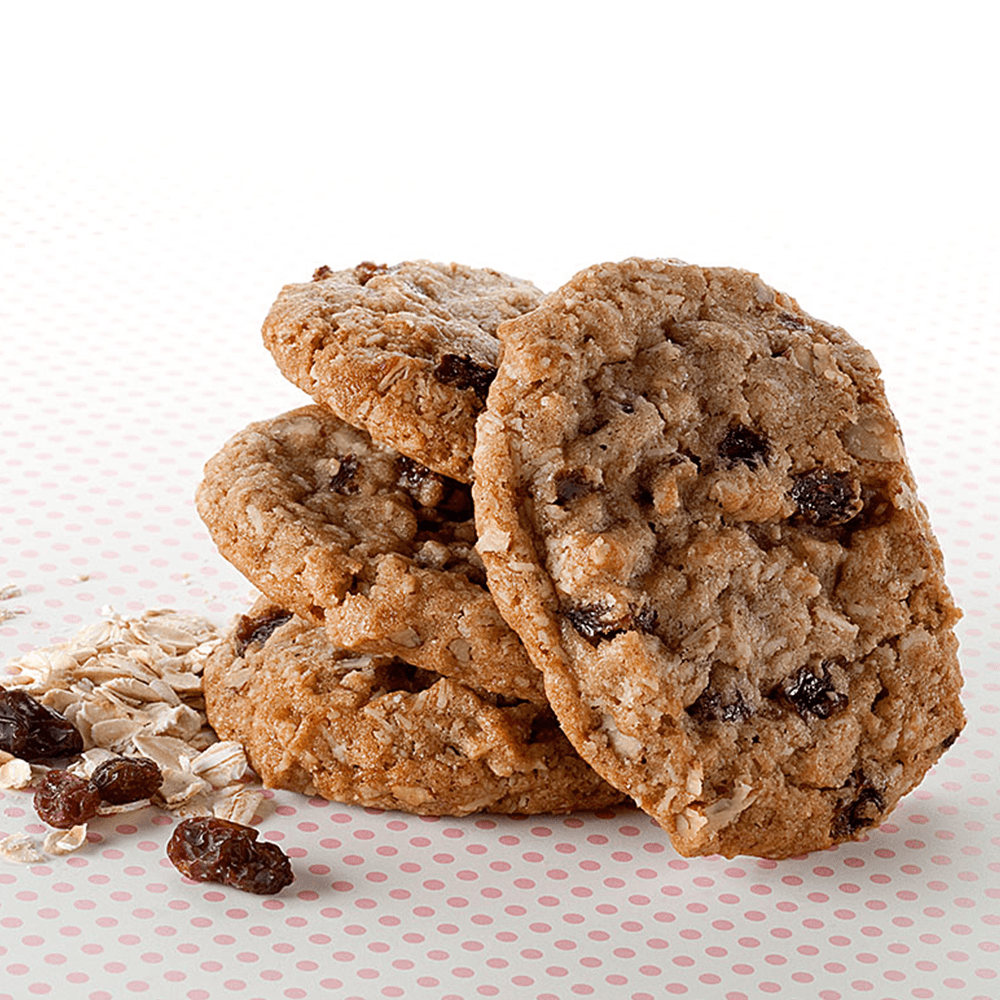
(694, 507)
(391, 678)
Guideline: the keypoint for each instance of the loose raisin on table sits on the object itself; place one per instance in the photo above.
(127, 779)
(33, 732)
(258, 629)
(217, 850)
(742, 445)
(464, 373)
(63, 799)
(826, 498)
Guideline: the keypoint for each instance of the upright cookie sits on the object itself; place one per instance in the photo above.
(406, 352)
(694, 507)
(380, 732)
(349, 534)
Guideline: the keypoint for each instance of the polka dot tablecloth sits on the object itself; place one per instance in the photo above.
(130, 353)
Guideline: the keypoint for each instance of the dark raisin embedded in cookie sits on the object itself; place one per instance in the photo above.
(258, 630)
(826, 499)
(860, 812)
(321, 273)
(426, 487)
(710, 707)
(593, 621)
(812, 694)
(743, 445)
(343, 480)
(464, 373)
(597, 622)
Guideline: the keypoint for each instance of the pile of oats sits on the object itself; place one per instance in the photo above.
(132, 686)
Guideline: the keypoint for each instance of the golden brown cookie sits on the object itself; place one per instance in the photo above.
(380, 732)
(350, 534)
(694, 507)
(404, 352)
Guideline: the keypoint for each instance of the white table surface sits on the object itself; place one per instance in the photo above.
(162, 178)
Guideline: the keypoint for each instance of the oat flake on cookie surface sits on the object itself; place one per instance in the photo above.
(405, 352)
(694, 507)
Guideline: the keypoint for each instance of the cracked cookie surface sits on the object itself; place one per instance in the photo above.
(380, 732)
(694, 507)
(405, 352)
(378, 549)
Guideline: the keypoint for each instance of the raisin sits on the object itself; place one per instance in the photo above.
(596, 622)
(367, 270)
(949, 741)
(254, 630)
(208, 849)
(571, 485)
(343, 480)
(63, 800)
(861, 812)
(412, 475)
(321, 272)
(826, 498)
(709, 707)
(127, 779)
(742, 445)
(427, 488)
(464, 373)
(813, 694)
(33, 732)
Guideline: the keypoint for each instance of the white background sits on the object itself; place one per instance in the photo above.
(165, 169)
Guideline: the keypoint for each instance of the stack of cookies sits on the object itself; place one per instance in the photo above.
(692, 568)
(377, 669)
